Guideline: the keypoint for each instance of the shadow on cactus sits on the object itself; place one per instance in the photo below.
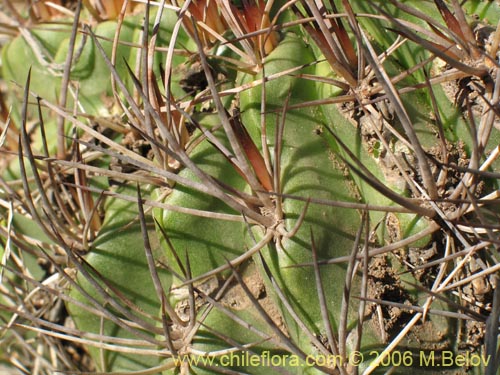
(305, 187)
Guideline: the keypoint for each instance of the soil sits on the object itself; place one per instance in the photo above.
(237, 299)
(234, 298)
(384, 284)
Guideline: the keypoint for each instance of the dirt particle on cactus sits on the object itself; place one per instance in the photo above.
(384, 284)
(475, 332)
(468, 95)
(318, 130)
(77, 352)
(346, 172)
(138, 145)
(418, 256)
(449, 170)
(393, 227)
(236, 298)
(194, 79)
(479, 292)
(208, 287)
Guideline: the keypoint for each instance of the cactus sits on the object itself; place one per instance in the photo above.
(206, 187)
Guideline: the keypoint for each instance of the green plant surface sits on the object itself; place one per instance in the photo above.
(47, 47)
(197, 237)
(117, 262)
(308, 169)
(293, 180)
